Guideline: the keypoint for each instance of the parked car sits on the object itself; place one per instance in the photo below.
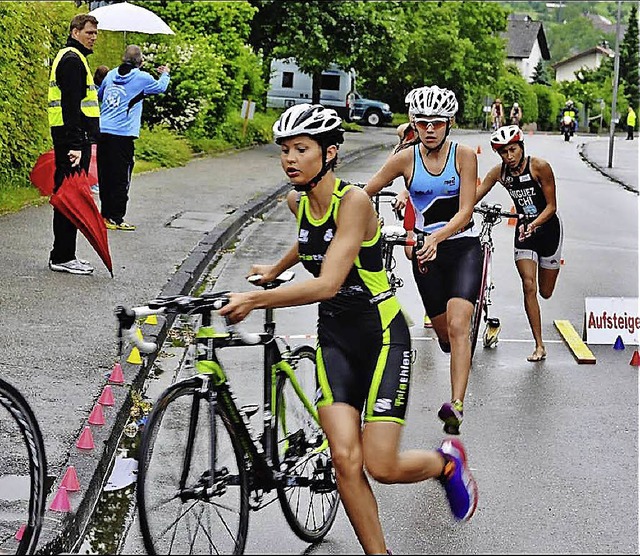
(371, 112)
(288, 86)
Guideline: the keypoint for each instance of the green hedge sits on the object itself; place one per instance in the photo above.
(30, 34)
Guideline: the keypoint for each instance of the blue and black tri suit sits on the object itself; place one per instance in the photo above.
(364, 346)
(457, 269)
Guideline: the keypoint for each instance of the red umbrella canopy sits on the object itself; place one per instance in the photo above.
(74, 200)
(43, 170)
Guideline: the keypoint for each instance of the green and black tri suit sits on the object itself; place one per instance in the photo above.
(364, 346)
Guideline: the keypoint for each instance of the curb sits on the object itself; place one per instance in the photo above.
(602, 170)
(92, 469)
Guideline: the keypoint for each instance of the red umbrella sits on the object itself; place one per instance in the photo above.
(42, 172)
(73, 199)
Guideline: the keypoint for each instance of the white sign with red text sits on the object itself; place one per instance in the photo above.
(606, 318)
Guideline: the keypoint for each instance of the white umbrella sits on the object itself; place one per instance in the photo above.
(129, 18)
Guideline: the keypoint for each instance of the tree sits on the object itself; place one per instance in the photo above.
(540, 74)
(630, 59)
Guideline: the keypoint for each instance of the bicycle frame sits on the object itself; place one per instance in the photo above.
(258, 449)
(491, 215)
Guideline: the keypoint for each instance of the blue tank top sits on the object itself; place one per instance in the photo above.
(436, 197)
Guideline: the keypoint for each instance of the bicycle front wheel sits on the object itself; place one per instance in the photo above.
(23, 469)
(192, 487)
(309, 496)
(480, 307)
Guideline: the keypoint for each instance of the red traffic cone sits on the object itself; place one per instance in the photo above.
(619, 344)
(635, 359)
(70, 480)
(479, 150)
(60, 501)
(20, 532)
(116, 376)
(97, 416)
(85, 442)
(106, 398)
(512, 221)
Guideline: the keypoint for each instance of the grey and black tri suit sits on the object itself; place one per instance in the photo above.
(545, 245)
(457, 269)
(364, 346)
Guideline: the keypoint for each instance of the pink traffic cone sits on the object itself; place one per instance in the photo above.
(97, 416)
(70, 480)
(116, 376)
(20, 532)
(60, 501)
(85, 442)
(106, 398)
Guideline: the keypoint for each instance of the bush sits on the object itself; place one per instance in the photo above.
(162, 147)
(515, 88)
(549, 104)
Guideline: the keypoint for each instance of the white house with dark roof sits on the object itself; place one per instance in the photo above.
(587, 59)
(526, 44)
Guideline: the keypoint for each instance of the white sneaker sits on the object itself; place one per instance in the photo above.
(73, 266)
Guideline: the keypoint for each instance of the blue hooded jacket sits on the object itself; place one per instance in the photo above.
(121, 94)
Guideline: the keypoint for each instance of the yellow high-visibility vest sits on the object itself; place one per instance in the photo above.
(89, 104)
(631, 118)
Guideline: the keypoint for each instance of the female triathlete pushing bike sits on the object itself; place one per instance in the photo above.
(364, 347)
(440, 176)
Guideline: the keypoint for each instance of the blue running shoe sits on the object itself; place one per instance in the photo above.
(451, 414)
(457, 480)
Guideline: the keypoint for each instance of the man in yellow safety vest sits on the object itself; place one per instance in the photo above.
(74, 119)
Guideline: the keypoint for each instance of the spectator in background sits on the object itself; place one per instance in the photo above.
(515, 115)
(98, 78)
(631, 123)
(73, 114)
(121, 94)
(99, 75)
(497, 114)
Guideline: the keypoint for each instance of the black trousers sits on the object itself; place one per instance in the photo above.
(629, 132)
(115, 156)
(65, 232)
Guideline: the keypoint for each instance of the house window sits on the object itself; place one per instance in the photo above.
(287, 80)
(330, 82)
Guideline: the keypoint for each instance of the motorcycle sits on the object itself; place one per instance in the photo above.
(566, 127)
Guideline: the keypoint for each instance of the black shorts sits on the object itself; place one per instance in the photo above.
(364, 365)
(543, 246)
(455, 272)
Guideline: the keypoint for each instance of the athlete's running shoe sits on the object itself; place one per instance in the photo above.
(427, 322)
(457, 480)
(451, 414)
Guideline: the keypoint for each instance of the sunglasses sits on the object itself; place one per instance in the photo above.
(436, 123)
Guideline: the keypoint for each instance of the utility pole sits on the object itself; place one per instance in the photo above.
(616, 75)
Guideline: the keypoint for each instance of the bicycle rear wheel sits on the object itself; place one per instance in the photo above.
(480, 306)
(23, 469)
(192, 487)
(310, 498)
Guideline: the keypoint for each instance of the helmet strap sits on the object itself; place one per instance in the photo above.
(306, 187)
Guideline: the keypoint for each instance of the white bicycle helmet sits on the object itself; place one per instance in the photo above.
(433, 101)
(407, 99)
(306, 119)
(506, 135)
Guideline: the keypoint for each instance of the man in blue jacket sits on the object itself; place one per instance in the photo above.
(121, 94)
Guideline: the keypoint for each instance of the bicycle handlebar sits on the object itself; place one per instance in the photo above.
(187, 305)
(494, 211)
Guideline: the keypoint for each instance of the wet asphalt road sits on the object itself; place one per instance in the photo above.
(552, 445)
